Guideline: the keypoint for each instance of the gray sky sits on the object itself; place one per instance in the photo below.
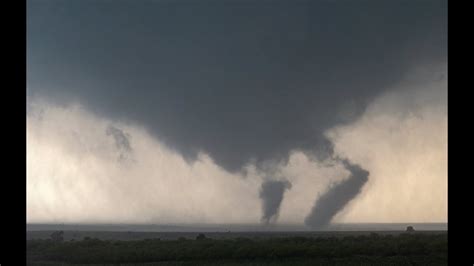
(241, 81)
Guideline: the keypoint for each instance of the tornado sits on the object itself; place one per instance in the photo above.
(271, 194)
(337, 197)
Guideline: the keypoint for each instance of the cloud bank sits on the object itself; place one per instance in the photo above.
(74, 174)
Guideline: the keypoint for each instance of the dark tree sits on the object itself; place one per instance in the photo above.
(201, 237)
(57, 236)
(410, 229)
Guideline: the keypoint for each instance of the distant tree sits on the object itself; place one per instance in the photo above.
(201, 237)
(410, 229)
(374, 235)
(57, 236)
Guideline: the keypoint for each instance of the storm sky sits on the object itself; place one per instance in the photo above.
(178, 111)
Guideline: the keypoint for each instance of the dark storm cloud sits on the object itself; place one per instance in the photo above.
(239, 80)
(271, 193)
(337, 196)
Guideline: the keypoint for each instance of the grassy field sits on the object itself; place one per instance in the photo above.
(350, 249)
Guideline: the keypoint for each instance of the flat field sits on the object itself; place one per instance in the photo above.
(238, 248)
